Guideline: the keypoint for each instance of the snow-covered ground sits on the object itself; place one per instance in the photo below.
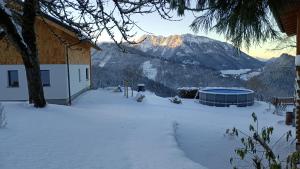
(244, 74)
(235, 72)
(148, 70)
(103, 62)
(249, 75)
(104, 130)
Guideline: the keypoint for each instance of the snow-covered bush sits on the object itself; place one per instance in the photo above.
(139, 97)
(175, 100)
(188, 92)
(280, 109)
(3, 121)
(118, 89)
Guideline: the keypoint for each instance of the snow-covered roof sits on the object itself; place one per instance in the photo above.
(188, 88)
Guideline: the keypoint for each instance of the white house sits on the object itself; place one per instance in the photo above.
(65, 66)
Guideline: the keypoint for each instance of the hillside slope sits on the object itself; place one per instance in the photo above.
(170, 62)
(276, 79)
(197, 50)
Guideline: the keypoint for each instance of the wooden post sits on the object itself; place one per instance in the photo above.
(131, 89)
(124, 84)
(126, 88)
(297, 63)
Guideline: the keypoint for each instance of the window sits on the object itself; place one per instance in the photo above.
(79, 75)
(87, 75)
(13, 78)
(45, 76)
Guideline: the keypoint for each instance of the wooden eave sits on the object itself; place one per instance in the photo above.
(286, 17)
(16, 5)
(67, 29)
(57, 26)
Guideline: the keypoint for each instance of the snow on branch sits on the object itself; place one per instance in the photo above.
(12, 28)
(92, 18)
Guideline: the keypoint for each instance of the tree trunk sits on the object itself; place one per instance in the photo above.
(35, 92)
(11, 33)
(26, 45)
(28, 85)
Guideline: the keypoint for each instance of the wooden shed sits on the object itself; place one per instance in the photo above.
(287, 15)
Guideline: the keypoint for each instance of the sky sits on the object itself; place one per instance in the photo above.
(154, 24)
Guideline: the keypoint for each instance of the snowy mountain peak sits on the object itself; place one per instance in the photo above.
(196, 50)
(195, 39)
(172, 41)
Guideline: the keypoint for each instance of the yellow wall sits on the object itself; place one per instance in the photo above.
(50, 46)
(8, 53)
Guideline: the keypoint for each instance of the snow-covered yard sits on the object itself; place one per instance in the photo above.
(243, 74)
(104, 130)
(235, 72)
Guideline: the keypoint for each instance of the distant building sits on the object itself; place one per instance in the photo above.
(65, 66)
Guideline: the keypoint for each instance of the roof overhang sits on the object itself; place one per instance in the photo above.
(68, 29)
(17, 6)
(286, 16)
(93, 45)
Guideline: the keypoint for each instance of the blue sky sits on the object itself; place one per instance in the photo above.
(158, 26)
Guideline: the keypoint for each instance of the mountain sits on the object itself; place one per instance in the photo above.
(262, 59)
(277, 78)
(197, 50)
(166, 63)
(112, 66)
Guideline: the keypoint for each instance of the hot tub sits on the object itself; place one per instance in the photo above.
(224, 97)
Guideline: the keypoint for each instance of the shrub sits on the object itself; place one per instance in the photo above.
(139, 97)
(257, 150)
(175, 100)
(188, 92)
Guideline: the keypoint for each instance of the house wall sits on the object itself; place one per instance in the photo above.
(57, 92)
(50, 47)
(57, 89)
(79, 54)
(51, 50)
(8, 53)
(52, 56)
(76, 85)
